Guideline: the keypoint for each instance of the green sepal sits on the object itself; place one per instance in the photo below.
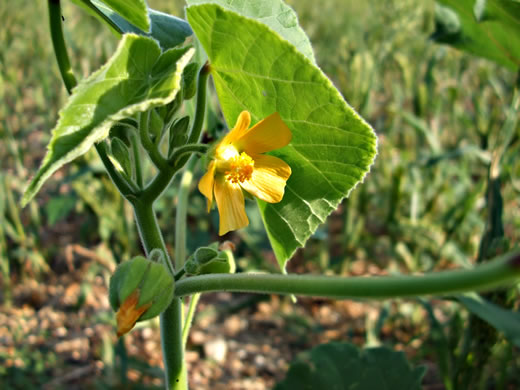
(209, 260)
(224, 263)
(153, 283)
(126, 279)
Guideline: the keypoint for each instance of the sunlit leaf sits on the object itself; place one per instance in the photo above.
(134, 11)
(342, 366)
(273, 13)
(136, 78)
(332, 147)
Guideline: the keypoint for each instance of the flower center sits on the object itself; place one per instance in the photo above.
(240, 168)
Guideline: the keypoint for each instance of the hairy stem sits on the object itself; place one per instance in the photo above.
(171, 318)
(503, 270)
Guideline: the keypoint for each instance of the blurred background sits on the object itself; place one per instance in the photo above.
(437, 113)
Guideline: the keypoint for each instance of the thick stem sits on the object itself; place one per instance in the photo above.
(60, 50)
(171, 318)
(503, 270)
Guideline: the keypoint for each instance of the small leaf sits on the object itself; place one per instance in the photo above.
(486, 28)
(189, 80)
(168, 30)
(503, 320)
(155, 126)
(275, 14)
(178, 134)
(134, 11)
(342, 366)
(136, 78)
(122, 155)
(332, 148)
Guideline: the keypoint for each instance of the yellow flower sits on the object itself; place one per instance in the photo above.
(239, 165)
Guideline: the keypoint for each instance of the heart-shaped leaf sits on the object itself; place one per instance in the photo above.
(273, 13)
(136, 78)
(332, 147)
(342, 366)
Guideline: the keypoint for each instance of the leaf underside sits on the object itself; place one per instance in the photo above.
(134, 11)
(168, 30)
(136, 78)
(332, 147)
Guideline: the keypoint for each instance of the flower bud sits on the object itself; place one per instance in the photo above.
(139, 290)
(209, 260)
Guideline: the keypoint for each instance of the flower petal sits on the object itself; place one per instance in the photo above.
(268, 180)
(241, 126)
(231, 207)
(207, 182)
(269, 134)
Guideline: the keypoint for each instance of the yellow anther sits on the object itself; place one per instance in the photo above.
(240, 168)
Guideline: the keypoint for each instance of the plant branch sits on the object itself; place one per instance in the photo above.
(164, 177)
(505, 269)
(181, 151)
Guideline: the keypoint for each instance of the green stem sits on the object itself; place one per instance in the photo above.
(58, 42)
(187, 149)
(503, 270)
(164, 177)
(189, 317)
(171, 318)
(200, 107)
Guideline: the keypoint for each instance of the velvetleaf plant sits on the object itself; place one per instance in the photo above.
(304, 153)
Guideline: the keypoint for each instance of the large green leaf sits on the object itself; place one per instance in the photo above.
(275, 14)
(342, 366)
(168, 30)
(136, 78)
(332, 147)
(487, 28)
(135, 11)
(503, 320)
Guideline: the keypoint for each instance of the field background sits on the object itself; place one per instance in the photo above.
(436, 111)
